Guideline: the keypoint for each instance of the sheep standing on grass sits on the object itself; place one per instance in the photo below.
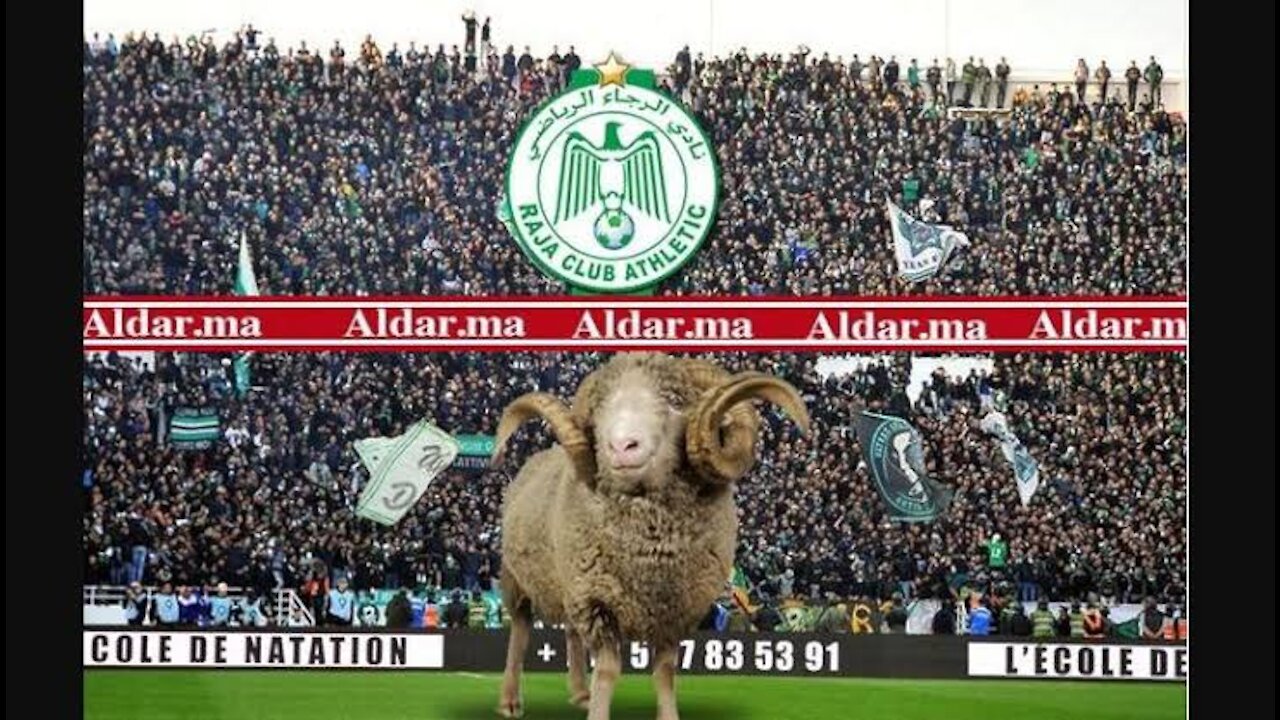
(627, 527)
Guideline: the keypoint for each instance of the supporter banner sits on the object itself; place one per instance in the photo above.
(194, 428)
(621, 323)
(473, 451)
(894, 451)
(401, 469)
(920, 248)
(1026, 472)
(794, 654)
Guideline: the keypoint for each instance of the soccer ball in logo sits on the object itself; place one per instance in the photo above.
(614, 229)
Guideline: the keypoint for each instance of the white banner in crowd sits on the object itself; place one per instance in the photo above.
(401, 469)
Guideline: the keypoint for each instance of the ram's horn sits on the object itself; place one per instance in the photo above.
(567, 432)
(719, 443)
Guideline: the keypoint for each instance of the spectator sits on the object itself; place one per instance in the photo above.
(1152, 620)
(944, 619)
(1154, 75)
(340, 605)
(1095, 626)
(135, 604)
(968, 76)
(1062, 626)
(997, 552)
(486, 44)
(1076, 621)
(140, 530)
(469, 20)
(1103, 75)
(1020, 625)
(1131, 76)
(455, 615)
(571, 63)
(220, 607)
(1082, 79)
(896, 617)
(251, 612)
(399, 612)
(430, 612)
(476, 611)
(980, 618)
(1002, 81)
(951, 81)
(1043, 625)
(983, 75)
(891, 71)
(164, 606)
(191, 607)
(913, 76)
(933, 76)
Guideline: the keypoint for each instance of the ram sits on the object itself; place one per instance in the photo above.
(626, 528)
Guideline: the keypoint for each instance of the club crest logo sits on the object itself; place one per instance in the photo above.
(612, 186)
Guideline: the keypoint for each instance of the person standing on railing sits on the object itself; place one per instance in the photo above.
(968, 75)
(140, 544)
(1131, 77)
(951, 81)
(1103, 76)
(891, 72)
(984, 81)
(1154, 75)
(1002, 81)
(1082, 79)
(933, 76)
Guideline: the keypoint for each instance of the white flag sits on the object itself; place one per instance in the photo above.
(921, 249)
(400, 470)
(1026, 472)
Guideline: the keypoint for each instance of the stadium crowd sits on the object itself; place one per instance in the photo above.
(380, 172)
(271, 504)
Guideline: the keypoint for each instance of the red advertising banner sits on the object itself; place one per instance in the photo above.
(629, 323)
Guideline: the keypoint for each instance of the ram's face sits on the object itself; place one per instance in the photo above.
(638, 431)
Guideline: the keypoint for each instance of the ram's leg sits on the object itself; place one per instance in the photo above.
(579, 692)
(608, 668)
(664, 682)
(510, 704)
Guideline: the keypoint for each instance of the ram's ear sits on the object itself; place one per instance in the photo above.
(562, 424)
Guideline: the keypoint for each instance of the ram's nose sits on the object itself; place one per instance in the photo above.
(628, 450)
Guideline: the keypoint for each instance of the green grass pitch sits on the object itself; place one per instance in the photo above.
(285, 695)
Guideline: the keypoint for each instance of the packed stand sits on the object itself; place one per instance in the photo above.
(381, 171)
(271, 504)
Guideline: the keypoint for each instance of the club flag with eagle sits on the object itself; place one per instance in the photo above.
(246, 284)
(401, 468)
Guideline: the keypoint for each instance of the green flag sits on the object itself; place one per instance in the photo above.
(894, 453)
(245, 284)
(1129, 629)
(194, 428)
